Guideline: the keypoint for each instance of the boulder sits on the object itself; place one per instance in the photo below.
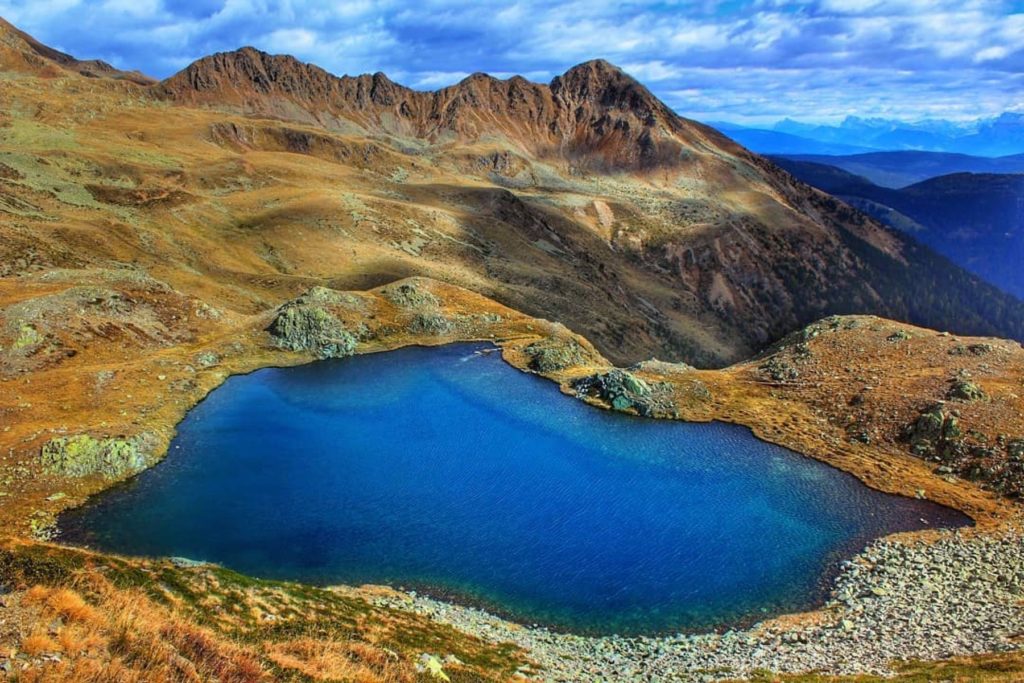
(301, 326)
(621, 389)
(965, 390)
(934, 431)
(554, 355)
(83, 455)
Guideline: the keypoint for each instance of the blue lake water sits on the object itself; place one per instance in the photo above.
(448, 471)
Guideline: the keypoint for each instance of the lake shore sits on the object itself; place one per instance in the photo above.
(898, 600)
(854, 420)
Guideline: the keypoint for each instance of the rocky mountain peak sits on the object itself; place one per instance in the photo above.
(601, 83)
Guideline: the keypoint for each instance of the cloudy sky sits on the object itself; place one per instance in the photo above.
(746, 61)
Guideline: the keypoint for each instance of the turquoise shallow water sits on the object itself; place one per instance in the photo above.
(448, 471)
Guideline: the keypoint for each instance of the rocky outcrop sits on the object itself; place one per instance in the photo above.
(938, 435)
(625, 392)
(306, 324)
(553, 354)
(311, 328)
(84, 455)
(934, 432)
(965, 390)
(410, 294)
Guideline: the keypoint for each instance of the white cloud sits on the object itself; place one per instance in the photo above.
(722, 59)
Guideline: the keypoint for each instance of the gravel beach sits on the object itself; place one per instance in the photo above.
(900, 599)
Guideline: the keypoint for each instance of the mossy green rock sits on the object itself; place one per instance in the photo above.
(933, 431)
(28, 338)
(84, 455)
(430, 323)
(622, 390)
(305, 327)
(554, 355)
(964, 390)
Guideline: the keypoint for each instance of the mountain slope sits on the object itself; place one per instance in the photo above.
(977, 220)
(21, 52)
(585, 201)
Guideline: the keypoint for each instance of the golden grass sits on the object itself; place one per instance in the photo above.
(71, 606)
(332, 661)
(127, 637)
(38, 643)
(110, 619)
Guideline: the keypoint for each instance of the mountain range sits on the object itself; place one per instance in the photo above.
(899, 169)
(997, 136)
(975, 219)
(247, 177)
(158, 239)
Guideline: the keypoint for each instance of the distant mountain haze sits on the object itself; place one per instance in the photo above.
(994, 137)
(975, 219)
(899, 169)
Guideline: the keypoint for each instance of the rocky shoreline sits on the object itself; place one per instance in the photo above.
(961, 593)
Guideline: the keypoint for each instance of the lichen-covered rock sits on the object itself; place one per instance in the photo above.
(624, 391)
(1015, 450)
(84, 455)
(779, 370)
(430, 323)
(207, 359)
(972, 349)
(554, 355)
(301, 326)
(898, 336)
(28, 338)
(965, 390)
(410, 295)
(934, 432)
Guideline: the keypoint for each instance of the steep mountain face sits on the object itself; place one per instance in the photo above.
(21, 52)
(585, 201)
(592, 113)
(975, 219)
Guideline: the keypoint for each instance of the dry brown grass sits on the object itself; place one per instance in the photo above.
(71, 606)
(332, 661)
(127, 637)
(88, 618)
(38, 643)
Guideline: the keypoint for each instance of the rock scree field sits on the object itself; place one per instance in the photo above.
(253, 211)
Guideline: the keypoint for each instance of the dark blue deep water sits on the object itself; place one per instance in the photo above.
(449, 471)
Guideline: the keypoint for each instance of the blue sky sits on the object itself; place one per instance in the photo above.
(756, 61)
